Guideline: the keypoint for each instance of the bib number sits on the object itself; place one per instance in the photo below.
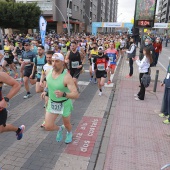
(27, 60)
(101, 67)
(168, 75)
(57, 108)
(111, 59)
(6, 55)
(75, 64)
(39, 69)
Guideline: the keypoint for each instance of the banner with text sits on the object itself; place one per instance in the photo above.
(43, 26)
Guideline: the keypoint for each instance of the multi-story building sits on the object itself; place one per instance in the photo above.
(79, 13)
(164, 11)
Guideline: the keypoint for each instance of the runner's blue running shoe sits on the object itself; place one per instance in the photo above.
(59, 136)
(20, 134)
(69, 137)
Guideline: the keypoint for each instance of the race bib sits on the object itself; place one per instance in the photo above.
(100, 67)
(168, 75)
(74, 64)
(92, 60)
(57, 108)
(39, 69)
(19, 56)
(27, 60)
(6, 55)
(111, 59)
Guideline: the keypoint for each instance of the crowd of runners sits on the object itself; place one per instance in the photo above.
(54, 69)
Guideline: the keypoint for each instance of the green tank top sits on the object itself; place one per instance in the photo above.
(56, 84)
(117, 44)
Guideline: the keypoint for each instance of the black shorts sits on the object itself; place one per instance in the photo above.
(27, 72)
(3, 117)
(75, 73)
(100, 74)
(9, 60)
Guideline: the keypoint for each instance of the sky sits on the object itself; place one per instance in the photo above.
(126, 9)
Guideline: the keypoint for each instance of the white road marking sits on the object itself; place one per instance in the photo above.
(162, 65)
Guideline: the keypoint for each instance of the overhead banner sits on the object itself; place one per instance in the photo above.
(112, 24)
(161, 25)
(43, 26)
(145, 13)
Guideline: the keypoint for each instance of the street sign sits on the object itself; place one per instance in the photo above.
(145, 13)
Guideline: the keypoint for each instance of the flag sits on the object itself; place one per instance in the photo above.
(42, 25)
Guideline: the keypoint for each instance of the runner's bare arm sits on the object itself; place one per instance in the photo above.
(5, 78)
(68, 81)
(67, 57)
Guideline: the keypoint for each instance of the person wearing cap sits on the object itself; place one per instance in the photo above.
(74, 59)
(113, 57)
(101, 66)
(27, 63)
(18, 50)
(61, 89)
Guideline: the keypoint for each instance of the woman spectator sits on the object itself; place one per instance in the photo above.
(144, 67)
(158, 49)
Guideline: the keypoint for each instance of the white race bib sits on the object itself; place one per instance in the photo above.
(27, 60)
(168, 75)
(19, 56)
(57, 108)
(111, 59)
(101, 67)
(6, 55)
(92, 60)
(74, 64)
(39, 69)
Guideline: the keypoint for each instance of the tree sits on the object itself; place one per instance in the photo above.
(19, 15)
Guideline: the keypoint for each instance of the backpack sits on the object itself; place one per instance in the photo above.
(146, 79)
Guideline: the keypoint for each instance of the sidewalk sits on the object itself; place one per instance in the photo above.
(135, 137)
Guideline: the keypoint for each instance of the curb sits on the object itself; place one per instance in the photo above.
(97, 158)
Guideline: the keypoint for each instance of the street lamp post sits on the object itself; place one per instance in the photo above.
(68, 27)
(68, 18)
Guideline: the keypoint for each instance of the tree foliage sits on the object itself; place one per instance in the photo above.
(19, 15)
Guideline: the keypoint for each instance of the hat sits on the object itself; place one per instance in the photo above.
(58, 56)
(100, 48)
(28, 43)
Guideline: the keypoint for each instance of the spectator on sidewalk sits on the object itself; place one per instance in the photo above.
(144, 66)
(166, 112)
(131, 54)
(158, 49)
(148, 44)
(166, 41)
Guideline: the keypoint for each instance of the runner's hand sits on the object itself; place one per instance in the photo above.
(58, 93)
(79, 67)
(3, 104)
(31, 76)
(43, 95)
(41, 84)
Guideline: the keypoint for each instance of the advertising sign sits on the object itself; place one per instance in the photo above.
(145, 13)
(42, 25)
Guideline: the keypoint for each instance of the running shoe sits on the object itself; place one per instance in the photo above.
(20, 134)
(100, 93)
(69, 137)
(27, 96)
(95, 81)
(161, 115)
(166, 122)
(59, 136)
(91, 79)
(43, 124)
(16, 76)
(109, 82)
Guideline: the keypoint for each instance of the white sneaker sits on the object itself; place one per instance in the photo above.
(27, 96)
(136, 98)
(135, 95)
(100, 93)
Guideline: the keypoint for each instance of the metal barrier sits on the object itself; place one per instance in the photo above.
(156, 80)
(166, 166)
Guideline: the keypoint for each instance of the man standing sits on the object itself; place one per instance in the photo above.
(74, 58)
(61, 89)
(27, 62)
(131, 54)
(4, 78)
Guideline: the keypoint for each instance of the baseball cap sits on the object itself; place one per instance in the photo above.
(100, 48)
(58, 56)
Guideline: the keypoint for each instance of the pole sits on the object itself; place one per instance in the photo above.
(61, 15)
(68, 18)
(156, 80)
(1, 38)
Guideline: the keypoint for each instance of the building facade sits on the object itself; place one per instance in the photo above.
(164, 11)
(79, 13)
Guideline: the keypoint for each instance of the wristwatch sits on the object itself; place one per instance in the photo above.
(6, 99)
(64, 94)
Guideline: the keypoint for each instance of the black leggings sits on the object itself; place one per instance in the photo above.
(141, 94)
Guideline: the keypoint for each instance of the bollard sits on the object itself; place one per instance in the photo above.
(156, 80)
